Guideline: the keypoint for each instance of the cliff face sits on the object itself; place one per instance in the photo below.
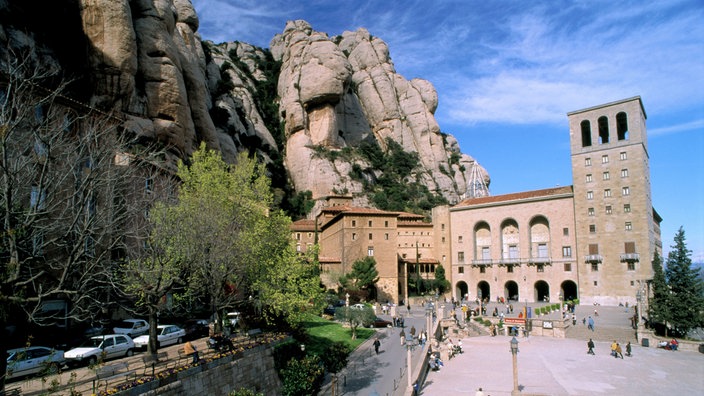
(145, 59)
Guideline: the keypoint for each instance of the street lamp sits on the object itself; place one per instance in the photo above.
(514, 352)
(429, 321)
(347, 299)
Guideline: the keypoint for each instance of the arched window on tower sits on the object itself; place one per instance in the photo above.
(586, 133)
(622, 126)
(603, 130)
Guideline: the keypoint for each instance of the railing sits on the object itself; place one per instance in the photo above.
(539, 260)
(626, 257)
(481, 262)
(593, 258)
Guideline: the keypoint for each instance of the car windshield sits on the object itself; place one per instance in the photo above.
(92, 343)
(125, 325)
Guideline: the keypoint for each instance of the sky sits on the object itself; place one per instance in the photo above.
(508, 72)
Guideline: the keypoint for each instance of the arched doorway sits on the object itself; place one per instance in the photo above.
(569, 289)
(461, 290)
(511, 291)
(483, 291)
(542, 291)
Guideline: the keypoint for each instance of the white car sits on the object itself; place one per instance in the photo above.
(165, 334)
(32, 360)
(100, 348)
(132, 327)
(233, 318)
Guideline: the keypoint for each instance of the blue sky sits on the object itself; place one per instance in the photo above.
(508, 72)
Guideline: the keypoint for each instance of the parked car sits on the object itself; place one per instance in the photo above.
(132, 327)
(379, 322)
(99, 348)
(232, 319)
(358, 306)
(196, 328)
(33, 360)
(165, 334)
(329, 310)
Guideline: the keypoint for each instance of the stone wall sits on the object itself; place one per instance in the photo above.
(253, 369)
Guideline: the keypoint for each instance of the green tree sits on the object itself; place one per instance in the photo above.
(302, 377)
(355, 317)
(363, 275)
(686, 296)
(335, 359)
(441, 283)
(659, 308)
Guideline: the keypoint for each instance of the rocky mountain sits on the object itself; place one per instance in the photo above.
(307, 106)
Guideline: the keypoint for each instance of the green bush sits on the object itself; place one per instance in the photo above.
(487, 322)
(302, 377)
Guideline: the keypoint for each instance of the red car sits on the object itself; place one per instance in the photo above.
(379, 322)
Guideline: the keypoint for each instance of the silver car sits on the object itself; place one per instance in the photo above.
(100, 348)
(166, 335)
(33, 360)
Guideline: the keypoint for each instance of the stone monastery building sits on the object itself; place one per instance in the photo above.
(594, 240)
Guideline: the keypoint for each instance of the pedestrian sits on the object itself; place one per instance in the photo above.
(377, 344)
(403, 337)
(190, 349)
(479, 392)
(584, 321)
(618, 351)
(574, 320)
(408, 307)
(591, 324)
(413, 332)
(613, 349)
(628, 349)
(590, 345)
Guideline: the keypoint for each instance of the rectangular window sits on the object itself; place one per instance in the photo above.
(595, 283)
(482, 270)
(606, 175)
(443, 239)
(148, 185)
(593, 249)
(592, 228)
(567, 251)
(370, 236)
(370, 251)
(607, 193)
(513, 251)
(460, 257)
(626, 208)
(543, 250)
(568, 267)
(624, 173)
(386, 223)
(37, 199)
(386, 236)
(460, 270)
(459, 239)
(298, 247)
(595, 268)
(629, 247)
(587, 162)
(590, 195)
(38, 244)
(539, 268)
(442, 226)
(631, 266)
(604, 159)
(509, 269)
(625, 191)
(629, 226)
(623, 156)
(370, 223)
(486, 253)
(589, 178)
(608, 209)
(566, 231)
(298, 236)
(354, 223)
(89, 248)
(590, 211)
(354, 236)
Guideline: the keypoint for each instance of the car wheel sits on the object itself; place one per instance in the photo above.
(179, 340)
(129, 352)
(53, 368)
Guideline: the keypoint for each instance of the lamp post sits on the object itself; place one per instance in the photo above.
(347, 300)
(429, 321)
(514, 352)
(411, 342)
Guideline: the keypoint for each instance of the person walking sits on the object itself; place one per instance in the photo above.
(590, 345)
(403, 337)
(479, 392)
(413, 332)
(377, 344)
(619, 352)
(590, 325)
(613, 349)
(628, 349)
(190, 349)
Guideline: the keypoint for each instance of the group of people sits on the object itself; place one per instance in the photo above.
(672, 345)
(616, 350)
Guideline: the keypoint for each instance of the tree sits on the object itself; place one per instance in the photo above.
(441, 283)
(659, 308)
(362, 277)
(68, 200)
(355, 317)
(686, 298)
(335, 359)
(302, 377)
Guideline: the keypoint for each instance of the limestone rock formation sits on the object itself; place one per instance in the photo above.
(307, 94)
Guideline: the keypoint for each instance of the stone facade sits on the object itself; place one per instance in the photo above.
(594, 240)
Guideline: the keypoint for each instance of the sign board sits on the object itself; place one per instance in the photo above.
(515, 321)
(547, 325)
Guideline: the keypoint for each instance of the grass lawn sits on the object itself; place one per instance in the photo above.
(323, 332)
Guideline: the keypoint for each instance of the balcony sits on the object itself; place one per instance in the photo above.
(630, 257)
(594, 258)
(481, 262)
(539, 260)
(509, 261)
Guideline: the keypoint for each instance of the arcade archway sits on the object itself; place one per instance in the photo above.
(541, 290)
(511, 291)
(461, 291)
(569, 289)
(483, 291)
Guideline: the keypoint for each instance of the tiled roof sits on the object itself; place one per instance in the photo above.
(303, 225)
(420, 261)
(516, 196)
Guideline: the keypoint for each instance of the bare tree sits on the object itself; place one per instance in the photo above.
(70, 199)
